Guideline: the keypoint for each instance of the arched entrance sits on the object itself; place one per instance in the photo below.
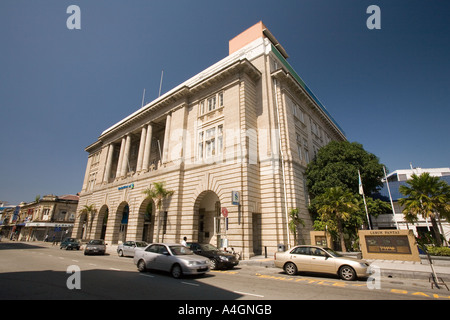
(102, 221)
(123, 213)
(146, 221)
(209, 225)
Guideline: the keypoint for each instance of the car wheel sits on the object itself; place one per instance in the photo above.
(176, 271)
(212, 264)
(141, 266)
(347, 273)
(120, 253)
(290, 268)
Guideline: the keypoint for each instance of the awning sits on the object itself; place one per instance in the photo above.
(49, 224)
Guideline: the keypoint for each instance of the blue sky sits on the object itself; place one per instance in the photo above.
(389, 89)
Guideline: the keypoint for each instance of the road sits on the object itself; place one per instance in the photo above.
(40, 271)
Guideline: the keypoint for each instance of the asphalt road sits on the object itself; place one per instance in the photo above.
(40, 271)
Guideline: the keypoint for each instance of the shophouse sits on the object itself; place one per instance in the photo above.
(232, 143)
(51, 216)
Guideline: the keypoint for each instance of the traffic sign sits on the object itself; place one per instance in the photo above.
(225, 212)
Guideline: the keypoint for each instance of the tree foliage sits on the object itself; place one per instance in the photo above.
(337, 165)
(337, 205)
(426, 196)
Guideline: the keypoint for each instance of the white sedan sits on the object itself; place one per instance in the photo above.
(174, 258)
(129, 247)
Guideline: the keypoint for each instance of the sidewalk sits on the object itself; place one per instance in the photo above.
(388, 268)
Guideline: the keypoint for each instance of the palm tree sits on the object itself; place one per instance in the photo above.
(428, 196)
(90, 214)
(294, 223)
(337, 204)
(159, 194)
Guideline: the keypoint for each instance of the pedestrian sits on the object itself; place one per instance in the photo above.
(184, 243)
(46, 238)
(53, 240)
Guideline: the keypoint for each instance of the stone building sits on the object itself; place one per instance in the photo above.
(246, 127)
(51, 216)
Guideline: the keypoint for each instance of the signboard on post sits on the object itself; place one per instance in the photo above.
(225, 212)
(235, 198)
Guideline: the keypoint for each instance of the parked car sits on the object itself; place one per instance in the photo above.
(70, 244)
(321, 260)
(129, 247)
(174, 258)
(95, 247)
(218, 259)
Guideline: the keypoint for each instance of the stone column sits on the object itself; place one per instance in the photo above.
(147, 147)
(141, 149)
(119, 163)
(108, 163)
(126, 154)
(166, 139)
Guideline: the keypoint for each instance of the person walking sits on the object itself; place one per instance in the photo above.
(184, 243)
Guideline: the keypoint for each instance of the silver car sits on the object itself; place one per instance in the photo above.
(95, 247)
(174, 258)
(322, 260)
(129, 247)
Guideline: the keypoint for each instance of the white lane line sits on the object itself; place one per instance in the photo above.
(147, 275)
(249, 294)
(191, 284)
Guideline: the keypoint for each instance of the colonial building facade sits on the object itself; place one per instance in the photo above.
(232, 143)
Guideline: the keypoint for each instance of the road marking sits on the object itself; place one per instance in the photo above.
(191, 284)
(249, 294)
(147, 275)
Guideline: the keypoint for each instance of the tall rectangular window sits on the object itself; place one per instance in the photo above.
(210, 142)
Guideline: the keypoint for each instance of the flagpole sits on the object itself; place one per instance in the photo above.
(361, 192)
(390, 197)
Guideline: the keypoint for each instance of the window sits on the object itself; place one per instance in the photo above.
(220, 99)
(210, 142)
(211, 103)
(299, 146)
(202, 107)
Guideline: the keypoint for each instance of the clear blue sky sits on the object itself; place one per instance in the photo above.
(389, 89)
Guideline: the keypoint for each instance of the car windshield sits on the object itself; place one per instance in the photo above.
(141, 244)
(180, 250)
(332, 252)
(96, 242)
(208, 247)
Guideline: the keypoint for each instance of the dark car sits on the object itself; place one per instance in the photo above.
(70, 244)
(95, 247)
(218, 259)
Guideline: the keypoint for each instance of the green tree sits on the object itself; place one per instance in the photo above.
(89, 211)
(158, 193)
(337, 205)
(337, 165)
(294, 223)
(428, 196)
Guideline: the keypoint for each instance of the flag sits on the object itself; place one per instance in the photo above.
(361, 191)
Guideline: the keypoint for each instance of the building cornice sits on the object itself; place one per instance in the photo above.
(181, 92)
(287, 78)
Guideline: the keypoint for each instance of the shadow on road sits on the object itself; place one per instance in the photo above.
(18, 246)
(98, 284)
